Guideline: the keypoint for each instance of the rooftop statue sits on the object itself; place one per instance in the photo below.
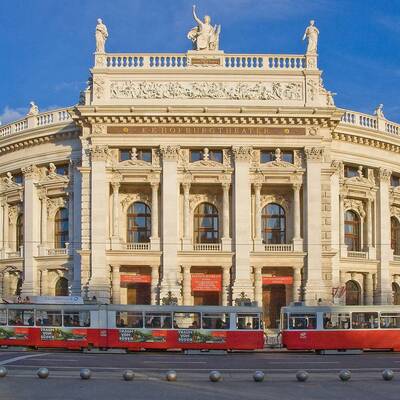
(204, 36)
(379, 111)
(311, 34)
(33, 109)
(101, 36)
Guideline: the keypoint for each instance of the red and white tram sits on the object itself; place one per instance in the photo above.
(131, 327)
(341, 327)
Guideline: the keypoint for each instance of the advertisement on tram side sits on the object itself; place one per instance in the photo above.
(63, 334)
(142, 335)
(14, 333)
(201, 336)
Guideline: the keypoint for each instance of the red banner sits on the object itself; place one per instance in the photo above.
(277, 280)
(206, 282)
(139, 278)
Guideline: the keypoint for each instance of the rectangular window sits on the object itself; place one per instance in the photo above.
(62, 169)
(196, 155)
(248, 321)
(129, 319)
(285, 320)
(215, 321)
(21, 317)
(76, 318)
(158, 320)
(269, 155)
(390, 320)
(48, 318)
(187, 320)
(216, 155)
(3, 317)
(395, 180)
(336, 321)
(303, 321)
(350, 171)
(124, 154)
(364, 320)
(144, 155)
(18, 178)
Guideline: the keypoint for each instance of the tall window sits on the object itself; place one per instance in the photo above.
(352, 231)
(139, 223)
(273, 224)
(395, 235)
(20, 231)
(61, 228)
(206, 224)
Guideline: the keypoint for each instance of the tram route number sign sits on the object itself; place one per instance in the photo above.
(63, 334)
(201, 336)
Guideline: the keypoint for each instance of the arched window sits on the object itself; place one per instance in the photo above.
(273, 224)
(61, 228)
(396, 293)
(206, 224)
(62, 287)
(352, 231)
(353, 294)
(138, 223)
(395, 235)
(20, 231)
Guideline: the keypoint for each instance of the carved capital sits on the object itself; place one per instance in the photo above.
(186, 186)
(384, 175)
(337, 167)
(242, 153)
(296, 187)
(30, 172)
(314, 153)
(99, 153)
(169, 152)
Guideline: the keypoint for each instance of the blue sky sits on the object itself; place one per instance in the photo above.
(46, 46)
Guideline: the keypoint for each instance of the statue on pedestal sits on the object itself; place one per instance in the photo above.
(204, 36)
(379, 111)
(33, 108)
(101, 36)
(311, 34)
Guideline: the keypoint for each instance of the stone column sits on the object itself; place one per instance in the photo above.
(6, 228)
(187, 245)
(368, 289)
(343, 247)
(44, 245)
(99, 284)
(297, 240)
(30, 285)
(370, 243)
(155, 276)
(258, 292)
(242, 216)
(115, 213)
(44, 276)
(296, 284)
(384, 252)
(170, 216)
(226, 239)
(155, 239)
(258, 245)
(226, 285)
(315, 289)
(116, 284)
(187, 286)
(2, 228)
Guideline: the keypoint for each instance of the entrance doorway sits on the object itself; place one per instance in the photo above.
(138, 293)
(62, 287)
(206, 298)
(274, 297)
(353, 294)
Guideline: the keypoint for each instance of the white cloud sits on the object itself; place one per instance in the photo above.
(10, 114)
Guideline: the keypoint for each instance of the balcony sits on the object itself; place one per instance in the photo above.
(58, 252)
(278, 248)
(15, 254)
(207, 247)
(357, 254)
(137, 246)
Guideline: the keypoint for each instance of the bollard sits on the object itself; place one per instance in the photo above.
(3, 372)
(171, 376)
(258, 376)
(128, 375)
(42, 373)
(85, 373)
(302, 376)
(387, 374)
(344, 375)
(215, 376)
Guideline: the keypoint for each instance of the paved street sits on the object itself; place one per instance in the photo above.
(280, 368)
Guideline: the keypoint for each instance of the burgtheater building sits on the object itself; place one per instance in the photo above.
(204, 177)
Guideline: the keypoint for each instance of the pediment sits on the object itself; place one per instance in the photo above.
(53, 177)
(278, 164)
(207, 163)
(135, 164)
(358, 180)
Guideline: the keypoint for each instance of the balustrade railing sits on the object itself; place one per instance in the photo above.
(357, 254)
(58, 252)
(207, 247)
(15, 254)
(137, 246)
(278, 247)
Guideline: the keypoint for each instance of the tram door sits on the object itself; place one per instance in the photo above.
(138, 293)
(274, 297)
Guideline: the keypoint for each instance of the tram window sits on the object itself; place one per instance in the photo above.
(248, 321)
(336, 321)
(76, 318)
(186, 320)
(215, 321)
(390, 320)
(303, 321)
(364, 320)
(284, 321)
(3, 317)
(21, 317)
(128, 319)
(158, 320)
(48, 318)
